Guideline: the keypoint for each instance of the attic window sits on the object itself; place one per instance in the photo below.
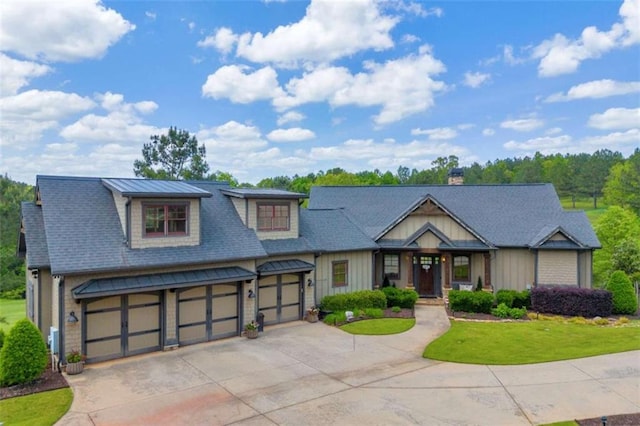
(163, 220)
(273, 217)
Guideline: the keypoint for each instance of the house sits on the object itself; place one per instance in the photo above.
(127, 266)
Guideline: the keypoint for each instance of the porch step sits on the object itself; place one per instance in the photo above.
(431, 301)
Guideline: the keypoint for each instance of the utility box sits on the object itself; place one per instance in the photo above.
(54, 340)
(260, 321)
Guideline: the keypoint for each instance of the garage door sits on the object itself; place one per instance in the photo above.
(119, 326)
(208, 313)
(279, 298)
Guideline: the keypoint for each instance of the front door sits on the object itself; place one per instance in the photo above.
(427, 274)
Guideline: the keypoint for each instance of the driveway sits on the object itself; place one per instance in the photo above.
(301, 373)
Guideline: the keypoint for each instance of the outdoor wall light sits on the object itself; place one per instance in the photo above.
(309, 283)
(72, 318)
(251, 294)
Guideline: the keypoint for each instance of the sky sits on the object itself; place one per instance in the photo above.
(277, 88)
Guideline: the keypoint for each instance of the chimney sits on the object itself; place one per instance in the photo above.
(456, 176)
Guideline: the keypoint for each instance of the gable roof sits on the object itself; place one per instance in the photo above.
(84, 234)
(34, 237)
(501, 215)
(333, 231)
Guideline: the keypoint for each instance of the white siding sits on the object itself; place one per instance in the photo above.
(558, 267)
(512, 269)
(359, 273)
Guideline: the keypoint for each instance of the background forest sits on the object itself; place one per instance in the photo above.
(604, 184)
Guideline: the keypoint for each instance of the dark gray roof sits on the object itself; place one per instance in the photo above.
(84, 233)
(262, 193)
(502, 215)
(333, 231)
(35, 237)
(397, 244)
(154, 188)
(466, 245)
(284, 267)
(153, 282)
(287, 246)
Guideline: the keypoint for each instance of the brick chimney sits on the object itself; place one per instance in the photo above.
(456, 176)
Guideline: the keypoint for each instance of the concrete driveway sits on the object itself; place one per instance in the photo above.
(302, 373)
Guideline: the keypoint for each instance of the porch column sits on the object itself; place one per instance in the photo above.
(487, 271)
(409, 265)
(446, 261)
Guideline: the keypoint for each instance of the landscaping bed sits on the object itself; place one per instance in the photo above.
(49, 380)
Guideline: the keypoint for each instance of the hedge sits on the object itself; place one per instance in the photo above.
(401, 297)
(572, 301)
(470, 301)
(356, 300)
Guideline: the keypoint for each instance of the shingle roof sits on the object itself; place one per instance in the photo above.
(504, 215)
(287, 246)
(84, 233)
(152, 282)
(35, 237)
(333, 231)
(154, 188)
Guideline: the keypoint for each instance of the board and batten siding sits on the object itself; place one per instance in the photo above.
(584, 262)
(445, 224)
(359, 273)
(557, 267)
(512, 269)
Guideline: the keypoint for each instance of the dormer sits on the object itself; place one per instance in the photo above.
(156, 213)
(272, 213)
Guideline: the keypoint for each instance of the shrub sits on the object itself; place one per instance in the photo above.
(354, 301)
(1, 338)
(572, 301)
(505, 297)
(402, 297)
(479, 284)
(470, 301)
(601, 321)
(374, 313)
(625, 300)
(23, 357)
(503, 311)
(514, 299)
(396, 309)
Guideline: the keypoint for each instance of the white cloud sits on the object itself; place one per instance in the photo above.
(522, 125)
(151, 15)
(294, 134)
(509, 57)
(476, 79)
(231, 82)
(17, 74)
(289, 117)
(316, 86)
(223, 40)
(553, 131)
(410, 38)
(618, 141)
(616, 118)
(488, 132)
(440, 133)
(328, 31)
(60, 30)
(231, 138)
(560, 55)
(545, 145)
(596, 89)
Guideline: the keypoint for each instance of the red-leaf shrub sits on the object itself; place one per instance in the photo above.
(572, 301)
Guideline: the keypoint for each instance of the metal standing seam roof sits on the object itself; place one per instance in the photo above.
(154, 188)
(284, 266)
(153, 282)
(262, 193)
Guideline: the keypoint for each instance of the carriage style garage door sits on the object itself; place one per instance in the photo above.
(208, 312)
(119, 326)
(279, 298)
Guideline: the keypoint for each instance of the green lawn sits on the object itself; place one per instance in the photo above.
(506, 343)
(585, 204)
(379, 326)
(12, 310)
(44, 408)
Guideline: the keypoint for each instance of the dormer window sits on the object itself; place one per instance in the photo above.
(166, 220)
(273, 217)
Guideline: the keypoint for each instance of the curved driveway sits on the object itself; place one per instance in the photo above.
(311, 374)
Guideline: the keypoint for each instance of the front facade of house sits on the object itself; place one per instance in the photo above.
(127, 266)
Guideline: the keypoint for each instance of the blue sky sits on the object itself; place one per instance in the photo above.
(282, 88)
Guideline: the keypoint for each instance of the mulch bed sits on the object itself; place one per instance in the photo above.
(50, 380)
(617, 420)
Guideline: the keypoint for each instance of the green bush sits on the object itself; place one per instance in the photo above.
(396, 309)
(374, 313)
(354, 301)
(470, 301)
(1, 338)
(505, 297)
(624, 296)
(402, 297)
(503, 311)
(514, 299)
(23, 357)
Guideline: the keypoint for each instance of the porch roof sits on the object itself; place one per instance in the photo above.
(464, 245)
(398, 244)
(284, 267)
(153, 282)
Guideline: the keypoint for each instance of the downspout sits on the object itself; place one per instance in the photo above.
(579, 275)
(39, 307)
(373, 268)
(128, 219)
(535, 268)
(315, 278)
(61, 320)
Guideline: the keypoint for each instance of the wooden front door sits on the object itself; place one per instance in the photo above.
(427, 273)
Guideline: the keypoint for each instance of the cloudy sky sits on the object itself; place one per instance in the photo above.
(284, 87)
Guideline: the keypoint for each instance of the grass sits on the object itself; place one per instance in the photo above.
(565, 423)
(379, 326)
(504, 343)
(12, 310)
(44, 408)
(585, 204)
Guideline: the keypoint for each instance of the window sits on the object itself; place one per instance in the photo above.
(461, 269)
(165, 220)
(339, 273)
(392, 266)
(273, 217)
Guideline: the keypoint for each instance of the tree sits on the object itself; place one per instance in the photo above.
(175, 155)
(224, 177)
(612, 228)
(623, 184)
(626, 257)
(624, 296)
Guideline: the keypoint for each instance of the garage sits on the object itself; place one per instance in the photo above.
(119, 326)
(281, 290)
(208, 312)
